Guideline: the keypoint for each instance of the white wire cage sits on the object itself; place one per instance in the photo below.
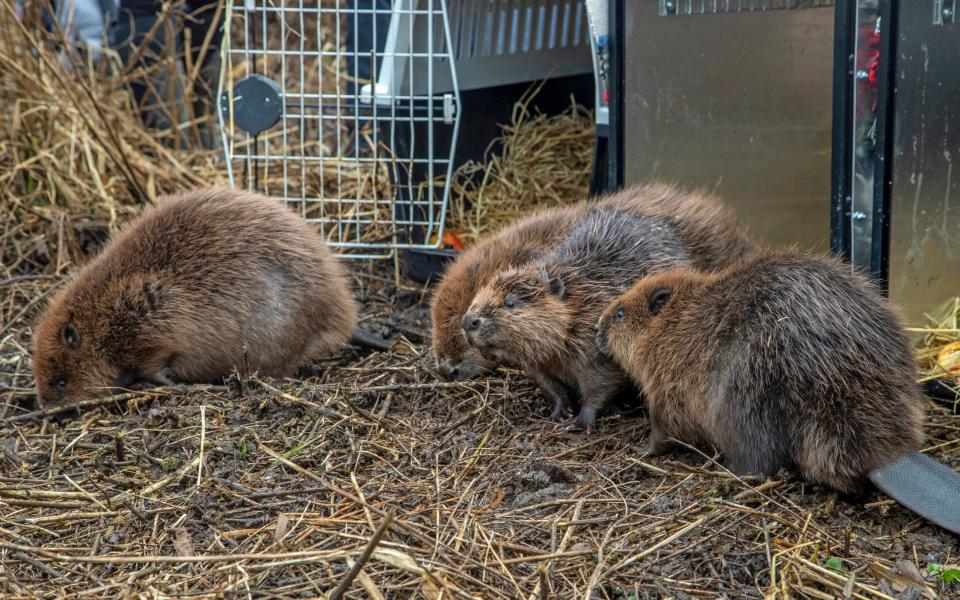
(301, 121)
(350, 109)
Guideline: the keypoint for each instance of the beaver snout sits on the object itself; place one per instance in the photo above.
(478, 330)
(468, 368)
(448, 370)
(470, 322)
(50, 393)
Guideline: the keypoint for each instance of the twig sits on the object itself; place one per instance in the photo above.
(760, 489)
(203, 436)
(130, 559)
(84, 492)
(543, 582)
(57, 575)
(344, 584)
(655, 547)
(54, 410)
(595, 575)
(19, 278)
(159, 484)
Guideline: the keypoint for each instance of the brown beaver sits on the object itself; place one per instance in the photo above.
(705, 225)
(544, 314)
(516, 244)
(782, 360)
(199, 285)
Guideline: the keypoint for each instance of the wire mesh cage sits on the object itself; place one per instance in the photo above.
(333, 106)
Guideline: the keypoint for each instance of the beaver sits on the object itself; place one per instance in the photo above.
(706, 226)
(544, 313)
(516, 244)
(783, 360)
(196, 286)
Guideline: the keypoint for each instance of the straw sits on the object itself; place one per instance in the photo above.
(537, 162)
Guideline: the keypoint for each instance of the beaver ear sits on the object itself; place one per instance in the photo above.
(659, 299)
(557, 288)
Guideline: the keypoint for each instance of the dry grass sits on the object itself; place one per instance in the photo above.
(538, 161)
(74, 157)
(369, 478)
(938, 350)
(280, 488)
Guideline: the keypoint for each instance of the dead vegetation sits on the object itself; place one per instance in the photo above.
(938, 351)
(281, 487)
(368, 477)
(538, 161)
(74, 156)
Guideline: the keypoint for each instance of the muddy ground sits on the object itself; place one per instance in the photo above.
(276, 488)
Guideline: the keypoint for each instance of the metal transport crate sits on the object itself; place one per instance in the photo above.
(351, 110)
(824, 124)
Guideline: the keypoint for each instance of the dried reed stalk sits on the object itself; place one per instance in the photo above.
(75, 156)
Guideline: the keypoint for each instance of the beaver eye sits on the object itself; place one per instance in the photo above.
(69, 335)
(510, 303)
(620, 313)
(60, 385)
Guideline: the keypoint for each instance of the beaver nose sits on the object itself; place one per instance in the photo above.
(448, 370)
(470, 322)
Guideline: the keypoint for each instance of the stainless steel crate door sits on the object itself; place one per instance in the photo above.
(303, 121)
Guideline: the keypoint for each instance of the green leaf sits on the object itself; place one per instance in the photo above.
(835, 564)
(950, 576)
(934, 568)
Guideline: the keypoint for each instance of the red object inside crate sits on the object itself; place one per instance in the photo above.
(452, 240)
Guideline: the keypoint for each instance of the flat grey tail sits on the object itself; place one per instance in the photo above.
(925, 486)
(362, 338)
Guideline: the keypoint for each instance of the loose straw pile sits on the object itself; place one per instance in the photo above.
(74, 155)
(938, 350)
(539, 161)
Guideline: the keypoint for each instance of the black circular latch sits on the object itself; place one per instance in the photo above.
(257, 104)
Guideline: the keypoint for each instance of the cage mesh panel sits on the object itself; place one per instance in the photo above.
(369, 163)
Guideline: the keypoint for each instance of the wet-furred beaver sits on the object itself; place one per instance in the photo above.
(199, 285)
(784, 360)
(543, 314)
(706, 226)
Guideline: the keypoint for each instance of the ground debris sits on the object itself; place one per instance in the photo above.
(490, 498)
